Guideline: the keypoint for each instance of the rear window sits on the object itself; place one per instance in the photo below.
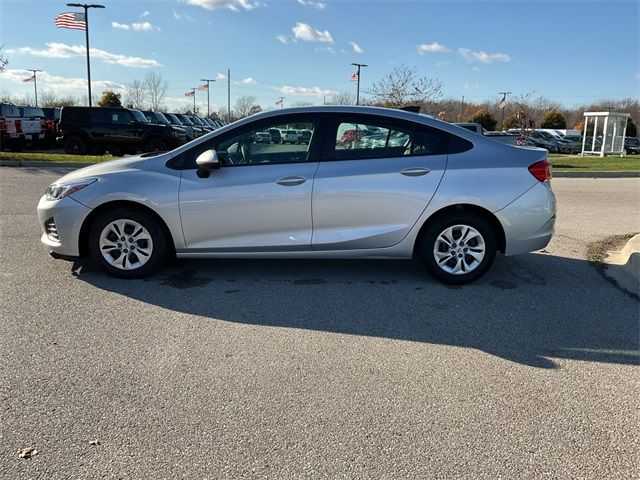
(458, 145)
(9, 111)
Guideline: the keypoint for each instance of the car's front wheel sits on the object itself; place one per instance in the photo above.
(75, 145)
(127, 243)
(459, 248)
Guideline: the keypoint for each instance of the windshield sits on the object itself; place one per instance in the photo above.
(173, 119)
(196, 120)
(186, 120)
(161, 118)
(137, 114)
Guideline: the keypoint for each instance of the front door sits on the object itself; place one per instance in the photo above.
(259, 199)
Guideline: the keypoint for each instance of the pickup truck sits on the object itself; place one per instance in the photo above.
(10, 127)
(33, 124)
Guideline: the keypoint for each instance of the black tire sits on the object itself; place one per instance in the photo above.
(75, 145)
(117, 152)
(160, 245)
(428, 243)
(155, 145)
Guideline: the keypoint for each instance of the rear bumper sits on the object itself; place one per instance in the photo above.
(529, 221)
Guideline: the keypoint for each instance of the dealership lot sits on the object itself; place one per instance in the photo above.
(303, 369)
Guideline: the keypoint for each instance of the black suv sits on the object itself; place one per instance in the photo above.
(119, 130)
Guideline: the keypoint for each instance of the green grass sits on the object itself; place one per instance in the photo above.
(54, 157)
(576, 163)
(561, 163)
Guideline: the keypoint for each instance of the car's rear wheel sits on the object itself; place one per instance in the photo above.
(127, 243)
(459, 248)
(75, 145)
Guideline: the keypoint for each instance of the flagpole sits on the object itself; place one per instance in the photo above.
(358, 87)
(207, 80)
(193, 90)
(35, 83)
(228, 95)
(86, 31)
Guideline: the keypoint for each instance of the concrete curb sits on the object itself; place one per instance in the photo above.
(41, 163)
(623, 266)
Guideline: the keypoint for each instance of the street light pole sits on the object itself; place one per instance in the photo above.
(193, 91)
(35, 83)
(86, 31)
(207, 80)
(359, 65)
(504, 99)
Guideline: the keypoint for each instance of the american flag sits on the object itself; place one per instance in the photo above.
(73, 20)
(279, 102)
(190, 94)
(354, 77)
(502, 103)
(32, 78)
(203, 87)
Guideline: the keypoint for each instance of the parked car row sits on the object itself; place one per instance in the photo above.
(87, 130)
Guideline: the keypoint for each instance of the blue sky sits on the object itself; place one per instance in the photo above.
(570, 51)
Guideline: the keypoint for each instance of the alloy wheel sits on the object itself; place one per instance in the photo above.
(459, 249)
(125, 244)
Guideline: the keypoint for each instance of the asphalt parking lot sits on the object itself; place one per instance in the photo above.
(317, 369)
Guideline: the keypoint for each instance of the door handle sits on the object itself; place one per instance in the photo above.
(415, 172)
(291, 181)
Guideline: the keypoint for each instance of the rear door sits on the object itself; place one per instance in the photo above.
(372, 187)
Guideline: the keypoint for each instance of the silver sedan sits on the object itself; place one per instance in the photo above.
(446, 195)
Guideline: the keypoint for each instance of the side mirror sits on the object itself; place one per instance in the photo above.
(207, 161)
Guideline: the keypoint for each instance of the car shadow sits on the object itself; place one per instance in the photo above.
(529, 309)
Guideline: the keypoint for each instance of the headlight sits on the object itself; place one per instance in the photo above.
(57, 191)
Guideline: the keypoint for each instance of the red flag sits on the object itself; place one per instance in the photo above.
(190, 94)
(354, 77)
(203, 87)
(502, 103)
(32, 78)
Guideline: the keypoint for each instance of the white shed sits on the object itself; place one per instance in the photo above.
(607, 131)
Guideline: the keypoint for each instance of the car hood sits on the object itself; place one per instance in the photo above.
(104, 168)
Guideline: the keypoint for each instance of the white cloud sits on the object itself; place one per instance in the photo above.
(136, 26)
(61, 85)
(316, 5)
(305, 91)
(248, 81)
(146, 13)
(62, 50)
(221, 76)
(443, 63)
(304, 31)
(120, 26)
(234, 5)
(483, 57)
(469, 85)
(182, 16)
(356, 48)
(434, 47)
(330, 50)
(281, 38)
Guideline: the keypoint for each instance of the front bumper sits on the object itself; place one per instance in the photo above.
(529, 221)
(68, 216)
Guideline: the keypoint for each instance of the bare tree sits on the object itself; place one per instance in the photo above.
(49, 99)
(156, 87)
(403, 86)
(136, 95)
(343, 98)
(3, 60)
(530, 110)
(244, 106)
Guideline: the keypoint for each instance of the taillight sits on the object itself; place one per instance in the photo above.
(541, 170)
(18, 125)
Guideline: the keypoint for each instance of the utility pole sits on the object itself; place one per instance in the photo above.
(461, 109)
(228, 95)
(359, 65)
(35, 83)
(86, 31)
(502, 105)
(208, 81)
